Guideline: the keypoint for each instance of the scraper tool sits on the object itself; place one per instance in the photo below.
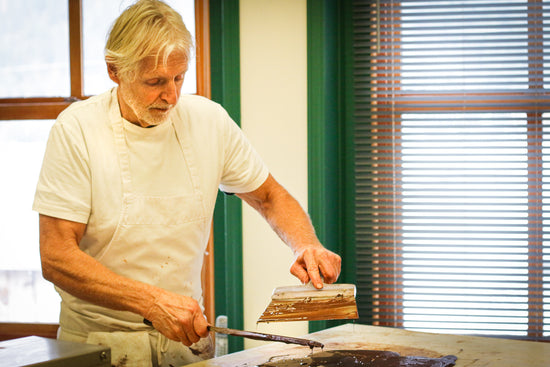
(267, 337)
(307, 303)
(260, 336)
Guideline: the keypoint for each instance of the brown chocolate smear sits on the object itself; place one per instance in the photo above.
(334, 308)
(363, 358)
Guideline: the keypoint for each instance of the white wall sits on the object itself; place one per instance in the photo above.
(274, 117)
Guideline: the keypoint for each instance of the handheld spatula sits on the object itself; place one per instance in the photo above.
(307, 303)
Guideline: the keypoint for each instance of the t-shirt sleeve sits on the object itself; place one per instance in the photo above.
(244, 170)
(64, 187)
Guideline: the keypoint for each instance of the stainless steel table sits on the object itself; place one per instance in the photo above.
(471, 351)
(45, 352)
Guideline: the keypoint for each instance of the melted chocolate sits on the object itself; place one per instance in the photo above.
(363, 358)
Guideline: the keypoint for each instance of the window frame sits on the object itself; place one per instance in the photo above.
(331, 133)
(38, 108)
(48, 108)
(331, 179)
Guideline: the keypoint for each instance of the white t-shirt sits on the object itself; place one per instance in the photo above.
(80, 178)
(155, 150)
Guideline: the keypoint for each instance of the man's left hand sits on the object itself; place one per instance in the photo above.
(315, 264)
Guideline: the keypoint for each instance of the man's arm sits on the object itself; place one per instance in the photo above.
(64, 264)
(287, 218)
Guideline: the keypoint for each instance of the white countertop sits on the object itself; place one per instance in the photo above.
(471, 351)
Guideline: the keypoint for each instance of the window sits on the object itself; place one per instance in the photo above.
(35, 57)
(452, 155)
(51, 54)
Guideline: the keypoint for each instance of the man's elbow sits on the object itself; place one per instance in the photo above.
(50, 265)
(48, 271)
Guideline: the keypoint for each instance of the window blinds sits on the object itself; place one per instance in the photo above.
(452, 155)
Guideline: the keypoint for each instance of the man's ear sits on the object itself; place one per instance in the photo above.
(111, 69)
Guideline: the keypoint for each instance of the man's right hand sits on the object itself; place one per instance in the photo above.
(177, 317)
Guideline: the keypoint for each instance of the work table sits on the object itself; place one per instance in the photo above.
(471, 351)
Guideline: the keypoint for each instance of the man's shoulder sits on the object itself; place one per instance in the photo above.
(196, 102)
(89, 117)
(195, 109)
(88, 109)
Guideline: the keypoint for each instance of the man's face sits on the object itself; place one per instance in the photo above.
(149, 99)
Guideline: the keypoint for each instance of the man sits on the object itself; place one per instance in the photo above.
(127, 192)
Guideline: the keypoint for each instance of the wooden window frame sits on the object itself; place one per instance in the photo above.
(48, 108)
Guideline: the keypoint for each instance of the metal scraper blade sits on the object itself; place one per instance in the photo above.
(307, 303)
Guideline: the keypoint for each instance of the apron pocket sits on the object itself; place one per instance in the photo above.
(128, 349)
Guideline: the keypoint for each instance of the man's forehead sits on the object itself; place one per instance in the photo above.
(175, 62)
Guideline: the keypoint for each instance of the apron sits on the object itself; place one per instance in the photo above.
(159, 240)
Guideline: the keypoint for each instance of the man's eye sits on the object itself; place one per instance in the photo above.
(153, 82)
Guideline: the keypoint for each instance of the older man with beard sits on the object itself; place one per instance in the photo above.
(126, 197)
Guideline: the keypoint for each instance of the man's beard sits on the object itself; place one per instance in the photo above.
(151, 115)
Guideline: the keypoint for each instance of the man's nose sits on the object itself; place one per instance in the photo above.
(171, 93)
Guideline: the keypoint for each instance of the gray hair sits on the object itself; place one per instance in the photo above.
(147, 28)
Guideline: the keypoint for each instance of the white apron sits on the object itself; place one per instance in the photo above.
(159, 240)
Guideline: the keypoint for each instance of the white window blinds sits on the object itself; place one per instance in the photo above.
(452, 165)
